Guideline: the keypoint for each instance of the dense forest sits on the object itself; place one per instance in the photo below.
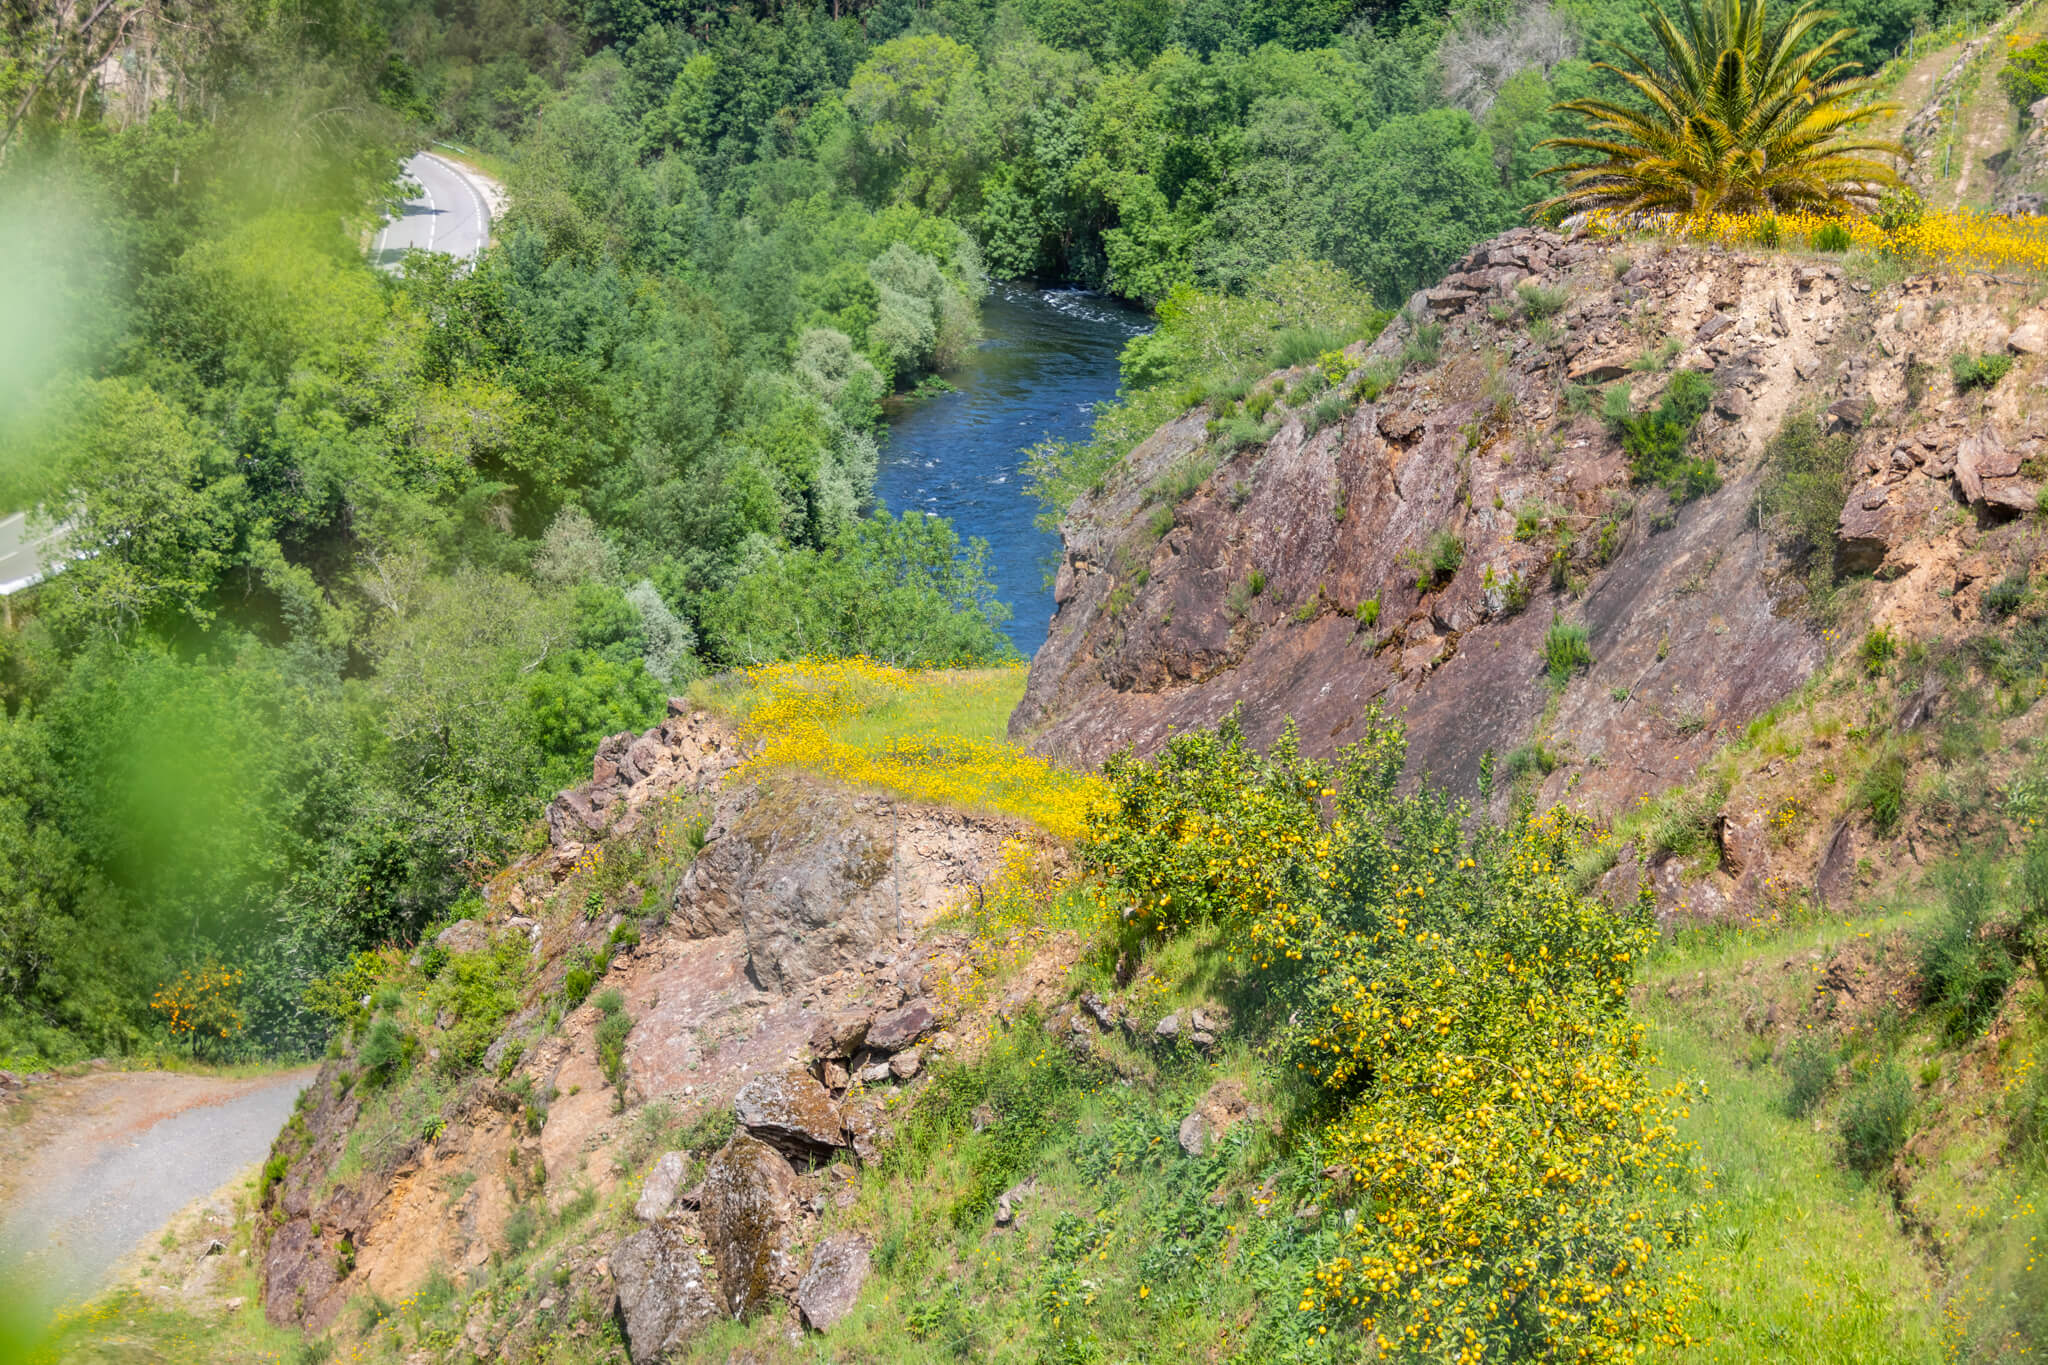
(364, 563)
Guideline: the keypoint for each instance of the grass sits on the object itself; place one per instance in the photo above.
(1801, 1260)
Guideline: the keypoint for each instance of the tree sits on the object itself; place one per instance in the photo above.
(1744, 115)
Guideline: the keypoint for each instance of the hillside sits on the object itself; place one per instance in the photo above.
(807, 1017)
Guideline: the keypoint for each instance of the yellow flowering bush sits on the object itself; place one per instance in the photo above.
(1510, 1177)
(902, 730)
(201, 1005)
(1959, 240)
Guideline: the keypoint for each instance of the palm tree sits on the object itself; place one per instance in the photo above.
(1744, 115)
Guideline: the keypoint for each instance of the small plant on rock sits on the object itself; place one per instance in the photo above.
(1566, 650)
(1975, 370)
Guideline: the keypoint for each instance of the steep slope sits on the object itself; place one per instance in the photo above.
(1694, 615)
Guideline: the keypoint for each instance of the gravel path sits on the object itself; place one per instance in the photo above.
(100, 1162)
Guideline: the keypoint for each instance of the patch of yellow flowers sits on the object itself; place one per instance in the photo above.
(876, 725)
(1959, 240)
(1510, 1181)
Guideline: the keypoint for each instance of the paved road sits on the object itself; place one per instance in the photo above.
(25, 553)
(449, 216)
(102, 1161)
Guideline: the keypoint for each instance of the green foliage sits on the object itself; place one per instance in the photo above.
(1974, 370)
(1542, 300)
(1881, 792)
(1810, 1064)
(1876, 1119)
(1656, 441)
(2004, 597)
(1361, 913)
(612, 1027)
(1566, 651)
(1806, 481)
(1877, 650)
(1423, 345)
(1831, 236)
(1964, 972)
(1789, 132)
(1437, 560)
(2024, 76)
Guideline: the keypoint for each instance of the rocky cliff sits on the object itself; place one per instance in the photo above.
(1300, 580)
(767, 944)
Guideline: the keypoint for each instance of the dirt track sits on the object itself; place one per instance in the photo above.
(98, 1163)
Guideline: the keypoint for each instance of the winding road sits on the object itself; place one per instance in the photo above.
(451, 214)
(92, 1165)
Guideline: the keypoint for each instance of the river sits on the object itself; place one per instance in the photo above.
(1048, 357)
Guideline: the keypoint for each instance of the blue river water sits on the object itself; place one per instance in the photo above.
(1047, 358)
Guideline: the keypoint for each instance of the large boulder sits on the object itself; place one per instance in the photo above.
(664, 1295)
(792, 1112)
(831, 1287)
(749, 1212)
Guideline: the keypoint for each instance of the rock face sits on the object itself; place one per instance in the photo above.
(750, 1217)
(663, 1293)
(1696, 621)
(791, 1112)
(817, 879)
(831, 1286)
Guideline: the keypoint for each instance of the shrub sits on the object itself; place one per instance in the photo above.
(384, 1051)
(1810, 1072)
(521, 1228)
(1363, 917)
(1298, 345)
(1369, 612)
(2003, 598)
(612, 1029)
(1565, 651)
(1882, 793)
(1656, 441)
(1238, 600)
(1424, 345)
(1976, 370)
(1375, 378)
(1964, 974)
(1806, 481)
(1182, 482)
(1876, 1119)
(1766, 232)
(1878, 649)
(1444, 555)
(2024, 77)
(1831, 237)
(1333, 409)
(1542, 301)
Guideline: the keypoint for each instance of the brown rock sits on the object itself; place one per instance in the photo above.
(836, 1076)
(905, 1064)
(2029, 338)
(1744, 847)
(750, 1222)
(1835, 880)
(865, 1129)
(840, 1035)
(664, 1296)
(831, 1286)
(899, 1028)
(1865, 533)
(1400, 424)
(793, 1112)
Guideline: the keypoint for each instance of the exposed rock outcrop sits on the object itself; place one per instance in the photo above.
(832, 1284)
(1694, 614)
